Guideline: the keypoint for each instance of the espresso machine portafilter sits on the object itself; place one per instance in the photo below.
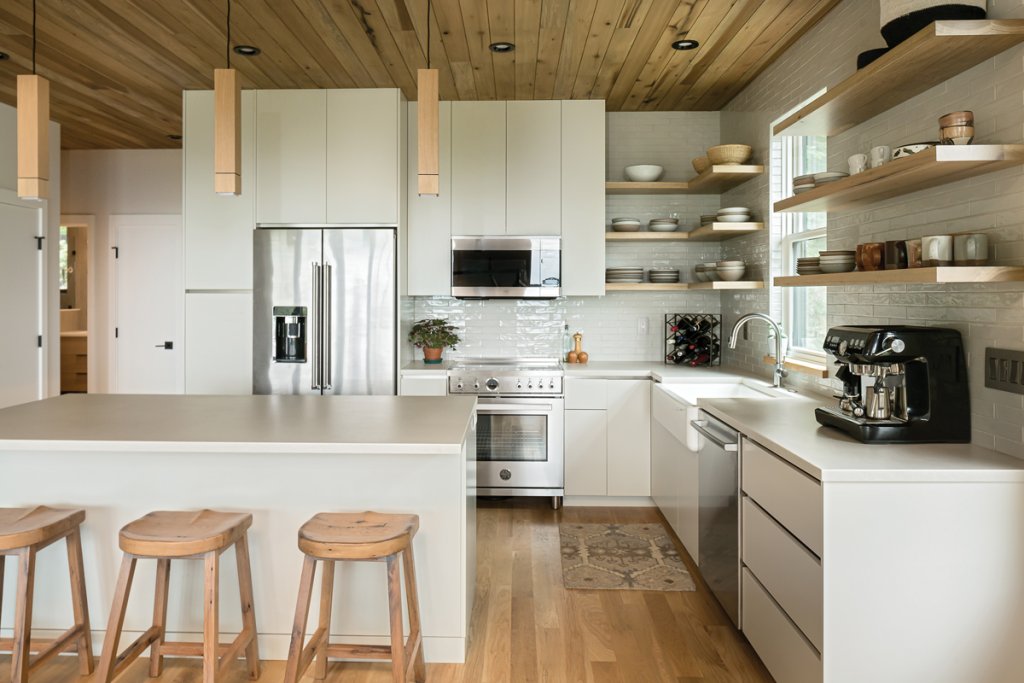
(901, 384)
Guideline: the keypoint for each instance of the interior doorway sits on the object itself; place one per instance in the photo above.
(75, 277)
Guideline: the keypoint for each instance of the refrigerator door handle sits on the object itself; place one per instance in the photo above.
(328, 341)
(318, 326)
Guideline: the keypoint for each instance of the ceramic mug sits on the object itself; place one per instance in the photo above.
(880, 155)
(913, 253)
(858, 163)
(937, 250)
(895, 254)
(873, 256)
(970, 250)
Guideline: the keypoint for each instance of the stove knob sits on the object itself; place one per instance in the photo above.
(551, 384)
(458, 386)
(492, 384)
(505, 475)
(476, 385)
(519, 385)
(530, 384)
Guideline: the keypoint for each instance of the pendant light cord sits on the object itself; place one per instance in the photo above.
(227, 48)
(33, 37)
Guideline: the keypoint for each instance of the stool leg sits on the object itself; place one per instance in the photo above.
(412, 602)
(211, 617)
(326, 601)
(252, 650)
(295, 648)
(80, 602)
(113, 635)
(23, 615)
(163, 579)
(395, 604)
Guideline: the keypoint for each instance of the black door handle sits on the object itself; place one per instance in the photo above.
(169, 345)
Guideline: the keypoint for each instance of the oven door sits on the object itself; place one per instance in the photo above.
(506, 267)
(519, 443)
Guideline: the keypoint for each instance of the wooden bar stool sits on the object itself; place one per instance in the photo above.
(332, 537)
(166, 536)
(24, 532)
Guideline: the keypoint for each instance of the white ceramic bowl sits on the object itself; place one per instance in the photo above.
(625, 220)
(733, 209)
(662, 227)
(730, 264)
(734, 218)
(730, 274)
(827, 267)
(644, 173)
(625, 227)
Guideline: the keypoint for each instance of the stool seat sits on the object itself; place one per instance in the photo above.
(357, 535)
(183, 533)
(22, 527)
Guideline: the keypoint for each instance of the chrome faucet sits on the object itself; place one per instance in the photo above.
(780, 362)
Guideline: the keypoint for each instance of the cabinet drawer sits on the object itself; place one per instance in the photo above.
(585, 394)
(418, 385)
(670, 413)
(790, 572)
(787, 494)
(73, 345)
(73, 362)
(786, 653)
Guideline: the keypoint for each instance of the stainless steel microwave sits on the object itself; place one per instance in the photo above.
(506, 267)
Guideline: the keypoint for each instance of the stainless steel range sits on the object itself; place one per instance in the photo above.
(520, 424)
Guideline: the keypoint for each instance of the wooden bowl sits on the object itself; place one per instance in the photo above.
(957, 118)
(700, 164)
(957, 135)
(729, 154)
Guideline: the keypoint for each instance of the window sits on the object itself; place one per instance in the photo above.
(795, 235)
(64, 258)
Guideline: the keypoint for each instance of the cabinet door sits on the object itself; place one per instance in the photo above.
(586, 462)
(478, 168)
(534, 168)
(687, 497)
(429, 229)
(363, 161)
(629, 437)
(291, 156)
(218, 343)
(423, 385)
(662, 476)
(218, 228)
(583, 172)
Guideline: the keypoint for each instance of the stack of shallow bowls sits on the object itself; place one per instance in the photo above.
(711, 271)
(663, 276)
(828, 177)
(730, 270)
(663, 224)
(624, 275)
(802, 183)
(625, 224)
(808, 265)
(734, 214)
(708, 219)
(700, 273)
(957, 128)
(837, 261)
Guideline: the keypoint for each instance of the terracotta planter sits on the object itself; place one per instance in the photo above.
(431, 355)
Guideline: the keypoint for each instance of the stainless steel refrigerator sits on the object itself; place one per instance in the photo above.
(324, 311)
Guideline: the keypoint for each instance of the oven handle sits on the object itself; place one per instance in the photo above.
(515, 407)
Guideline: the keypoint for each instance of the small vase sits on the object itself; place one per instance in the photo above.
(431, 356)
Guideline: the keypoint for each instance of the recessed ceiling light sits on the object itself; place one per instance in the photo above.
(502, 46)
(3, 56)
(685, 44)
(246, 50)
(174, 136)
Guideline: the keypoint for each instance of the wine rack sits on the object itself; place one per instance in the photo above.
(699, 333)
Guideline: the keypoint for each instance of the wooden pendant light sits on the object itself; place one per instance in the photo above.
(227, 124)
(33, 130)
(428, 125)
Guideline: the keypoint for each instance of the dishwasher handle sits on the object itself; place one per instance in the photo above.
(701, 427)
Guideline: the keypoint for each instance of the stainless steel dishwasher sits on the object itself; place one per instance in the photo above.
(718, 520)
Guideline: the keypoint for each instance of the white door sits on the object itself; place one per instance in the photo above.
(149, 302)
(20, 304)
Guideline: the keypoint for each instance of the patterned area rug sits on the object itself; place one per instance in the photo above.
(621, 557)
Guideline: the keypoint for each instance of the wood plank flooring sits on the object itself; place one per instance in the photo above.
(527, 628)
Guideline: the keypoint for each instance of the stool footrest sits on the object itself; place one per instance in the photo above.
(346, 651)
(45, 648)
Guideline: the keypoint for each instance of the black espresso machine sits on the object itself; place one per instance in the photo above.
(901, 384)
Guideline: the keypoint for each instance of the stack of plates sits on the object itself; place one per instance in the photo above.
(663, 224)
(624, 275)
(830, 177)
(809, 265)
(625, 224)
(802, 183)
(708, 219)
(837, 261)
(663, 275)
(735, 214)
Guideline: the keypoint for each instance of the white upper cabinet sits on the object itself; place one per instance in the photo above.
(218, 228)
(478, 168)
(363, 156)
(291, 156)
(582, 185)
(533, 180)
(430, 218)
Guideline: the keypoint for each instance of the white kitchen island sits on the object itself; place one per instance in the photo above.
(282, 458)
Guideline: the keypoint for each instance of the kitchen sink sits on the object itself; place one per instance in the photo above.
(741, 388)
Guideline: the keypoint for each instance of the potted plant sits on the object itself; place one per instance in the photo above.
(432, 335)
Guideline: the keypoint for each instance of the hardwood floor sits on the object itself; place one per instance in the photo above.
(527, 628)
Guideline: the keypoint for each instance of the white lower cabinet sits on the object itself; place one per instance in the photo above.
(218, 343)
(674, 468)
(781, 646)
(586, 453)
(423, 384)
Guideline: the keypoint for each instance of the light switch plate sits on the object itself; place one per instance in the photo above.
(1004, 370)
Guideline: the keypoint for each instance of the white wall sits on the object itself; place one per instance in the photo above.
(103, 183)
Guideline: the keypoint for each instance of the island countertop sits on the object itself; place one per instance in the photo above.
(311, 424)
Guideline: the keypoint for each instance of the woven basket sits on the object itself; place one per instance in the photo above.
(700, 164)
(729, 154)
(903, 18)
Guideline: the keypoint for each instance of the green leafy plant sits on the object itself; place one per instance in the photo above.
(433, 334)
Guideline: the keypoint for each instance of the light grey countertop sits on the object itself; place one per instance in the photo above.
(417, 367)
(263, 424)
(788, 428)
(631, 369)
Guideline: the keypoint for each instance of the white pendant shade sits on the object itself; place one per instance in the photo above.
(427, 127)
(227, 132)
(33, 137)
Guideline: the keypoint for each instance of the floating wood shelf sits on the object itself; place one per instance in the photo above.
(714, 180)
(935, 54)
(680, 286)
(932, 167)
(948, 274)
(713, 232)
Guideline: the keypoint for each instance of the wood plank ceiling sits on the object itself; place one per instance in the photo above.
(118, 67)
